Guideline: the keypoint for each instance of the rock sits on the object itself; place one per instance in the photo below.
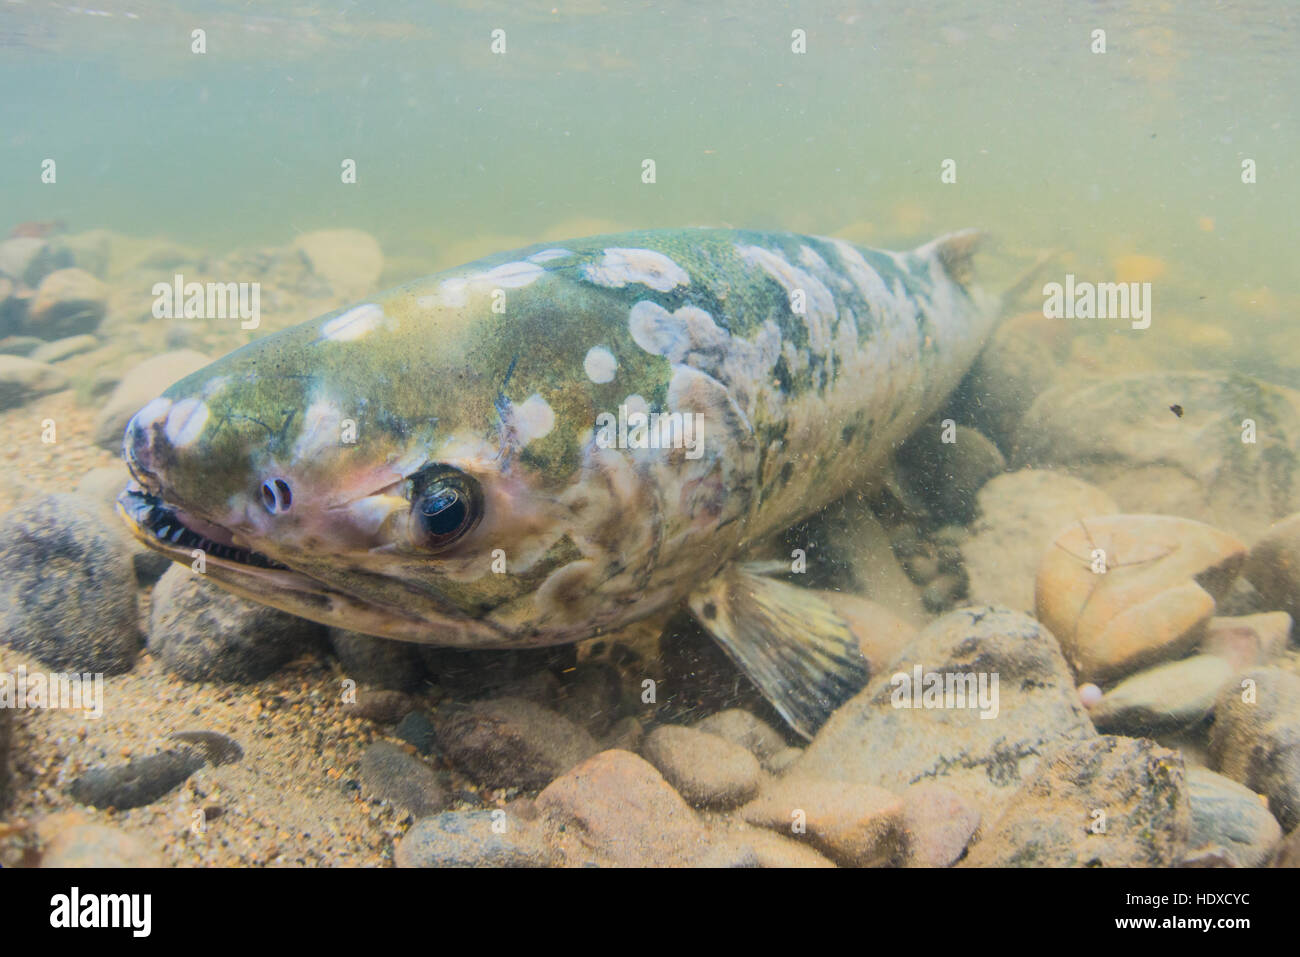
(418, 731)
(203, 633)
(1151, 460)
(1132, 787)
(615, 808)
(881, 634)
(68, 302)
(625, 735)
(1020, 361)
(870, 741)
(1020, 515)
(101, 487)
(470, 839)
(381, 705)
(348, 259)
(946, 475)
(64, 348)
(20, 345)
(22, 380)
(856, 825)
(708, 771)
(379, 662)
(1123, 592)
(942, 593)
(745, 729)
(142, 383)
(139, 782)
(510, 742)
(28, 260)
(771, 849)
(938, 824)
(392, 775)
(782, 761)
(67, 589)
(1248, 640)
(1230, 818)
(591, 695)
(1256, 738)
(1164, 698)
(72, 842)
(1273, 566)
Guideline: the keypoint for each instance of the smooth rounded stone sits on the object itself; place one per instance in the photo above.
(615, 809)
(28, 260)
(68, 302)
(1053, 821)
(392, 775)
(380, 662)
(1123, 592)
(591, 695)
(203, 633)
(1248, 640)
(1230, 818)
(511, 742)
(783, 760)
(856, 825)
(708, 771)
(67, 588)
(381, 705)
(774, 850)
(881, 634)
(92, 845)
(1273, 566)
(946, 476)
(1150, 460)
(745, 729)
(22, 380)
(101, 487)
(348, 259)
(64, 348)
(1020, 361)
(138, 782)
(938, 824)
(470, 839)
(141, 384)
(1165, 698)
(19, 345)
(874, 739)
(1020, 514)
(1256, 738)
(418, 731)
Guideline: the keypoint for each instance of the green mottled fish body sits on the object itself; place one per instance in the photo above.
(615, 418)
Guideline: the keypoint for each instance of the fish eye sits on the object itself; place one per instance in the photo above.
(446, 505)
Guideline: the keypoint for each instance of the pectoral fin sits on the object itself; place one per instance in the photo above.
(799, 651)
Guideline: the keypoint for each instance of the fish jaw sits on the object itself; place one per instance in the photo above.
(267, 581)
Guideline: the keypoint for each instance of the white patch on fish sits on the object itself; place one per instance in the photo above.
(533, 419)
(455, 292)
(600, 365)
(621, 267)
(320, 430)
(546, 255)
(819, 313)
(185, 422)
(356, 322)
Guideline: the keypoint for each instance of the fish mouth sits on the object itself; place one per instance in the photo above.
(250, 574)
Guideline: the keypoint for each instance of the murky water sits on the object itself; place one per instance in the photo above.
(1111, 142)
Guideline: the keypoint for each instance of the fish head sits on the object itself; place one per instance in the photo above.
(422, 466)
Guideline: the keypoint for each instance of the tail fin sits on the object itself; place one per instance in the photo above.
(955, 251)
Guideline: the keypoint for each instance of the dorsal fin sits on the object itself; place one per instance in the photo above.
(955, 251)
